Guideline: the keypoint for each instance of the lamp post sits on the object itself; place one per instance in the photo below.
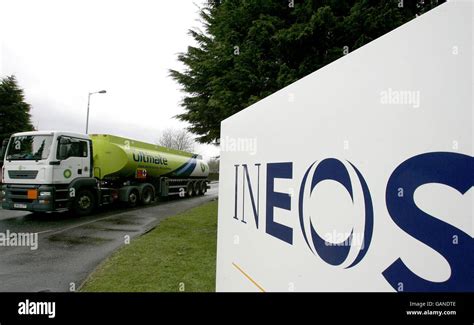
(88, 105)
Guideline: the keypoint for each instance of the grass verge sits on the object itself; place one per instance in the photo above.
(178, 255)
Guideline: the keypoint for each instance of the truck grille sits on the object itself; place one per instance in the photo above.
(22, 174)
(19, 194)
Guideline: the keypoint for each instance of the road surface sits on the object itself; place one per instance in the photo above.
(69, 248)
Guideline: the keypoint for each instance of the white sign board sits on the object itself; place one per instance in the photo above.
(359, 176)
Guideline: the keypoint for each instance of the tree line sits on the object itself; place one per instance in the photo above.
(249, 49)
(15, 113)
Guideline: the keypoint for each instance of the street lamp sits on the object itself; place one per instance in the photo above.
(88, 104)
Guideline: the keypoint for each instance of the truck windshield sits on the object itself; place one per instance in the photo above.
(30, 147)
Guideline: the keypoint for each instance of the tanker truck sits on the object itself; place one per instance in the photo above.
(59, 171)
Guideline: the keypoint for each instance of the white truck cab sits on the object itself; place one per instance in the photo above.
(39, 163)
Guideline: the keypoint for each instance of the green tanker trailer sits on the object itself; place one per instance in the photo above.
(54, 171)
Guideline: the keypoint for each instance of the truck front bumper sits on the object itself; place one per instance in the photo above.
(35, 198)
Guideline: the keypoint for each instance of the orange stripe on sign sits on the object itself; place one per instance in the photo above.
(248, 277)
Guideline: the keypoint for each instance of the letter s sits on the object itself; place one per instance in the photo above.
(452, 169)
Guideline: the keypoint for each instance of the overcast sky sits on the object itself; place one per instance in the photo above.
(62, 50)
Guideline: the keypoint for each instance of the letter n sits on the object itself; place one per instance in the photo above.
(255, 207)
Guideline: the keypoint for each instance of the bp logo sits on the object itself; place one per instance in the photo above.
(67, 173)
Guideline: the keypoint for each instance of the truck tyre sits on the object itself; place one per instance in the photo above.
(190, 190)
(133, 198)
(203, 188)
(84, 203)
(197, 188)
(147, 195)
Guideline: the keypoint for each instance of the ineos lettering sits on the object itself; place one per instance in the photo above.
(452, 169)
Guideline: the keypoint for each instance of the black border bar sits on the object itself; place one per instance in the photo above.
(241, 306)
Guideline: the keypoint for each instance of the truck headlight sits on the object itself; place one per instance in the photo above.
(45, 194)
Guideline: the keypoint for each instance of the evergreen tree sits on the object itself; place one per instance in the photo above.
(248, 49)
(14, 111)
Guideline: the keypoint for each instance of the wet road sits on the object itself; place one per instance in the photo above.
(70, 248)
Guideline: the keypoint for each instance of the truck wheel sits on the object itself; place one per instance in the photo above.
(203, 188)
(147, 195)
(190, 190)
(197, 189)
(132, 198)
(84, 203)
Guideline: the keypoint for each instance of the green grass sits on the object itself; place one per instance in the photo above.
(178, 255)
